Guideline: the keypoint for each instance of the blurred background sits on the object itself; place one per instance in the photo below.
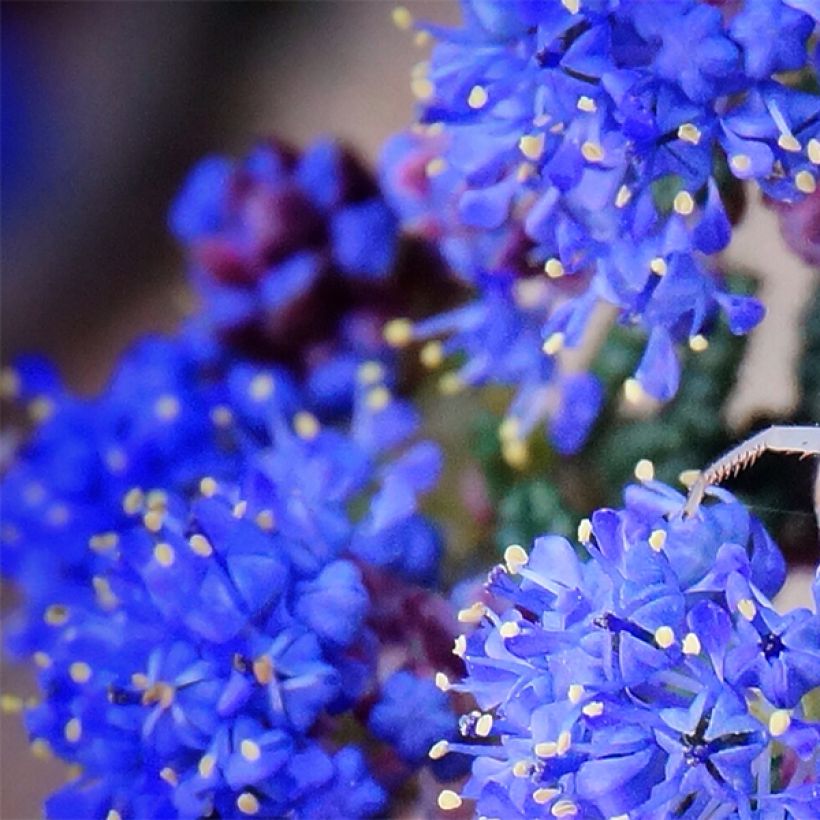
(106, 106)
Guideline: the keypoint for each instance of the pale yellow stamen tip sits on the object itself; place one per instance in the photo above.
(378, 398)
(779, 722)
(484, 725)
(208, 487)
(623, 197)
(515, 557)
(73, 730)
(587, 104)
(169, 776)
(813, 151)
(442, 681)
(41, 660)
(306, 425)
(478, 97)
(11, 704)
(239, 509)
(683, 203)
(167, 408)
(788, 143)
(688, 477)
(41, 409)
(261, 387)
(553, 344)
(698, 343)
(516, 454)
(689, 133)
(564, 808)
(509, 629)
(435, 167)
(805, 182)
(263, 670)
(432, 354)
(664, 637)
(544, 795)
(370, 373)
(691, 644)
(521, 768)
(79, 672)
(594, 709)
(221, 416)
(532, 146)
(644, 470)
(658, 266)
(741, 162)
(421, 38)
(657, 539)
(422, 88)
(438, 750)
(105, 596)
(592, 152)
(113, 814)
(509, 429)
(164, 554)
(472, 614)
(40, 749)
(265, 520)
(634, 392)
(402, 18)
(200, 545)
(104, 541)
(448, 800)
(247, 803)
(554, 268)
(572, 6)
(153, 520)
(575, 692)
(398, 332)
(548, 749)
(564, 742)
(460, 646)
(206, 766)
(250, 750)
(9, 383)
(132, 501)
(450, 384)
(746, 607)
(584, 531)
(56, 615)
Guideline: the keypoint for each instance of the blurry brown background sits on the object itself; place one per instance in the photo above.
(105, 106)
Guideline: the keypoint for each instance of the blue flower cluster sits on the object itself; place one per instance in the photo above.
(204, 566)
(293, 256)
(588, 140)
(651, 679)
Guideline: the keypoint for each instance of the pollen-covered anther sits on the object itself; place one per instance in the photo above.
(239, 509)
(167, 407)
(56, 615)
(306, 425)
(435, 167)
(206, 766)
(164, 554)
(9, 383)
(563, 743)
(73, 730)
(522, 768)
(691, 644)
(593, 709)
(547, 749)
(683, 203)
(746, 607)
(516, 454)
(645, 470)
(370, 372)
(132, 501)
(248, 803)
(41, 409)
(698, 343)
(472, 614)
(200, 545)
(478, 97)
(509, 629)
(432, 354)
(515, 557)
(554, 268)
(586, 104)
(634, 392)
(688, 132)
(688, 477)
(169, 776)
(398, 332)
(448, 800)
(208, 487)
(378, 398)
(575, 692)
(79, 672)
(152, 520)
(10, 704)
(161, 693)
(484, 725)
(113, 814)
(658, 266)
(664, 637)
(584, 531)
(532, 146)
(554, 343)
(460, 646)
(402, 19)
(450, 384)
(265, 520)
(813, 151)
(442, 681)
(805, 182)
(741, 162)
(422, 88)
(40, 749)
(788, 142)
(104, 541)
(623, 197)
(438, 750)
(263, 670)
(779, 722)
(564, 808)
(572, 6)
(657, 539)
(221, 416)
(592, 151)
(544, 795)
(250, 750)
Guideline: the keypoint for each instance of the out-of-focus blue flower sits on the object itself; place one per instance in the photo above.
(580, 140)
(642, 672)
